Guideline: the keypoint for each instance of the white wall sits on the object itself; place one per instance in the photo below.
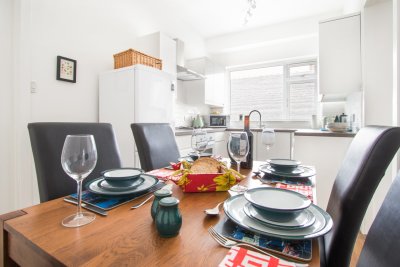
(276, 42)
(88, 31)
(6, 100)
(378, 82)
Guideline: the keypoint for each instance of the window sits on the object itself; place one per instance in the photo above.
(282, 92)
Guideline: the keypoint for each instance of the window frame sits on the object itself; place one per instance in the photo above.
(286, 82)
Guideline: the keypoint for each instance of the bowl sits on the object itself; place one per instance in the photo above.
(283, 164)
(122, 177)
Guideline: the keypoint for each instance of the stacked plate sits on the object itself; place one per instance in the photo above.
(286, 168)
(278, 212)
(123, 181)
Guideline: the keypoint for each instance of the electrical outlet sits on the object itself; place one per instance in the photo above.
(33, 87)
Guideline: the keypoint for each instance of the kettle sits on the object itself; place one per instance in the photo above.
(198, 122)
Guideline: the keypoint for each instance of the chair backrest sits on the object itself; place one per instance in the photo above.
(47, 140)
(362, 169)
(156, 145)
(383, 239)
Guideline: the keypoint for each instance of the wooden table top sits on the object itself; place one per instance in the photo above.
(35, 237)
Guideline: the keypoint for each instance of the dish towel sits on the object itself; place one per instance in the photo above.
(242, 257)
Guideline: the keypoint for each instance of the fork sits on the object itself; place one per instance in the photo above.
(227, 243)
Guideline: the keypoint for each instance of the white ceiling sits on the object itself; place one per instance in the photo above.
(211, 18)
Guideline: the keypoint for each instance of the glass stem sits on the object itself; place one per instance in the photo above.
(238, 166)
(79, 197)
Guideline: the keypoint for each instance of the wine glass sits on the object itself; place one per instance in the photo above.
(78, 159)
(199, 141)
(268, 137)
(238, 147)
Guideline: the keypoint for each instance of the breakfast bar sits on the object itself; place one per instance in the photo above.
(35, 237)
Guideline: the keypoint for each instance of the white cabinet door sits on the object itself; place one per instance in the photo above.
(326, 155)
(220, 146)
(281, 149)
(340, 55)
(212, 88)
(184, 144)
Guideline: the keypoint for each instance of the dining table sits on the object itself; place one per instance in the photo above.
(34, 236)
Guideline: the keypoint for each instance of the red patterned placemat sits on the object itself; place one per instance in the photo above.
(302, 189)
(238, 256)
(162, 174)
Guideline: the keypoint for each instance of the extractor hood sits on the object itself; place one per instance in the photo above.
(183, 73)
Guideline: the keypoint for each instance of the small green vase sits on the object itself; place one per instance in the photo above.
(158, 195)
(168, 218)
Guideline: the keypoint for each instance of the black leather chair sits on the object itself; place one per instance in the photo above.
(47, 140)
(362, 169)
(156, 145)
(383, 239)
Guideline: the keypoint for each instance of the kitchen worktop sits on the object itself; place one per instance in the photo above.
(297, 132)
(311, 132)
(188, 131)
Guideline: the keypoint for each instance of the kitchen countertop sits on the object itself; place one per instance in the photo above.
(188, 131)
(297, 132)
(311, 132)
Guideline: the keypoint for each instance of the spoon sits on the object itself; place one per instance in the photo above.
(213, 211)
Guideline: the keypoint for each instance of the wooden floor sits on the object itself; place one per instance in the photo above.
(357, 249)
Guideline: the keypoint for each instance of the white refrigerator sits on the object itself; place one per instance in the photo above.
(133, 95)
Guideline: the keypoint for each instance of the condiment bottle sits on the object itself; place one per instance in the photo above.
(248, 164)
(158, 195)
(168, 218)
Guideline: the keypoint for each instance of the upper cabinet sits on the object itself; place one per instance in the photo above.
(211, 90)
(161, 46)
(340, 56)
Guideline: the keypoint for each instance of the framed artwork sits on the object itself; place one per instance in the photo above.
(66, 69)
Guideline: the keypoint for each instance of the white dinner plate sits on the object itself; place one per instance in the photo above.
(234, 209)
(276, 199)
(303, 219)
(94, 186)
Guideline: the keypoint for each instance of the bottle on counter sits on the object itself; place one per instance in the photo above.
(248, 164)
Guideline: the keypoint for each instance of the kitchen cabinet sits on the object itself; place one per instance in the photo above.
(210, 91)
(326, 155)
(281, 149)
(340, 56)
(161, 46)
(184, 143)
(220, 144)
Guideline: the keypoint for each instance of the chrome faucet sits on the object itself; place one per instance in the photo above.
(258, 114)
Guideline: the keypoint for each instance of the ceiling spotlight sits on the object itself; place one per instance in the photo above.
(249, 12)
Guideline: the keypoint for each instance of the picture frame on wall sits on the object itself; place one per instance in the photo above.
(66, 69)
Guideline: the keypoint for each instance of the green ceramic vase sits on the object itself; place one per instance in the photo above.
(158, 195)
(168, 218)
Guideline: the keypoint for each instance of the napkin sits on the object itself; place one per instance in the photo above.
(241, 257)
(161, 174)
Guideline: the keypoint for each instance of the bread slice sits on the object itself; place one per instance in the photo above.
(206, 165)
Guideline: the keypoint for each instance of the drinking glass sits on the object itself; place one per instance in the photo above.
(199, 141)
(268, 137)
(78, 159)
(238, 147)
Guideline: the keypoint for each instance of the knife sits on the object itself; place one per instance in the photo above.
(87, 206)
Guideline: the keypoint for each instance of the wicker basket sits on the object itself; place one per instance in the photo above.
(131, 57)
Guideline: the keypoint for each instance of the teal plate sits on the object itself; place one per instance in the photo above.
(234, 209)
(96, 187)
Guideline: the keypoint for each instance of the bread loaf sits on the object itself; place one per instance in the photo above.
(206, 165)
